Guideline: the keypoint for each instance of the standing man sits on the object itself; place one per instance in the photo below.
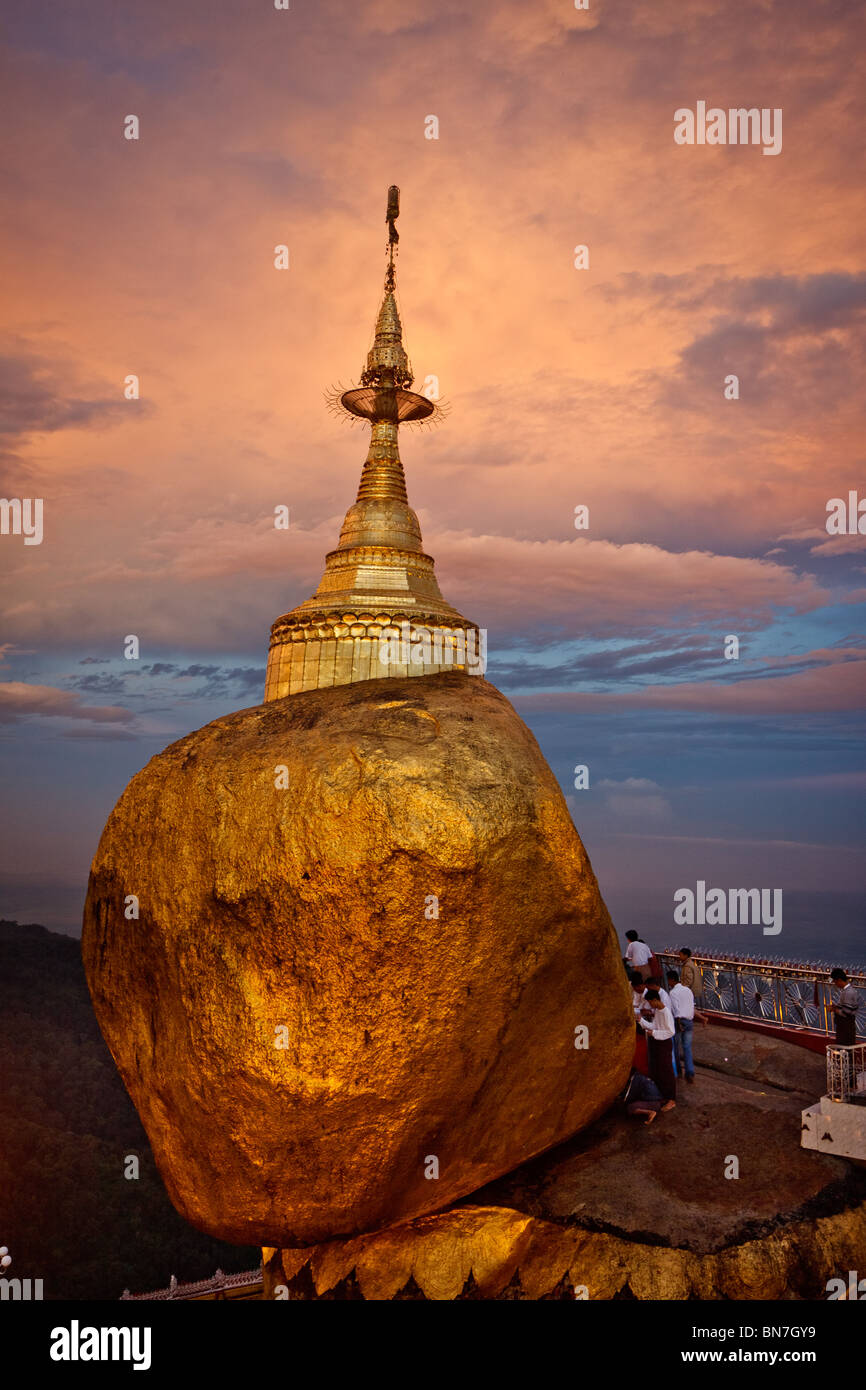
(690, 975)
(660, 1030)
(845, 1012)
(656, 982)
(845, 1017)
(638, 998)
(637, 954)
(638, 990)
(683, 1010)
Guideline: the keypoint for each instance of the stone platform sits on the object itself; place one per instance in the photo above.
(628, 1210)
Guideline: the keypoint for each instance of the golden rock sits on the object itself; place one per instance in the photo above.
(368, 940)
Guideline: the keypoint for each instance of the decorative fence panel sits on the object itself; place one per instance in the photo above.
(785, 993)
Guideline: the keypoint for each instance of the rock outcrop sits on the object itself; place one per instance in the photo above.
(367, 933)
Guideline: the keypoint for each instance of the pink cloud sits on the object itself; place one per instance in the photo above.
(840, 545)
(20, 700)
(606, 588)
(826, 689)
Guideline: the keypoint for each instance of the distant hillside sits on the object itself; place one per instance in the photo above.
(67, 1213)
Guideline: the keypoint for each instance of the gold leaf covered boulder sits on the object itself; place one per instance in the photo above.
(367, 931)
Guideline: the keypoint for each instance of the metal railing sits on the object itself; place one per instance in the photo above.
(789, 994)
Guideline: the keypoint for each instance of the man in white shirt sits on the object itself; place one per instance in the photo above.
(655, 982)
(660, 1029)
(683, 1010)
(637, 954)
(638, 991)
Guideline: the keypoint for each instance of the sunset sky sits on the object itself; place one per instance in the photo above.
(601, 387)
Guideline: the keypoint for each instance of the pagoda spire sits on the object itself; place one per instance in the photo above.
(378, 580)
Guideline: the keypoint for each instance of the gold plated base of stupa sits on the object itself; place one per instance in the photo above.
(314, 650)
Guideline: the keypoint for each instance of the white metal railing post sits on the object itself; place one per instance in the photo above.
(846, 1072)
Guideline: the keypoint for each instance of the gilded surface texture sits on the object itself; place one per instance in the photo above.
(299, 1030)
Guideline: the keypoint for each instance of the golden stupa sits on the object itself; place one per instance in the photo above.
(378, 611)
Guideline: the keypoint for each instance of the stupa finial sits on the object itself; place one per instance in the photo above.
(391, 215)
(387, 362)
(378, 579)
(384, 393)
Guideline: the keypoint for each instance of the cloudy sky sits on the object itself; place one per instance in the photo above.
(601, 387)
